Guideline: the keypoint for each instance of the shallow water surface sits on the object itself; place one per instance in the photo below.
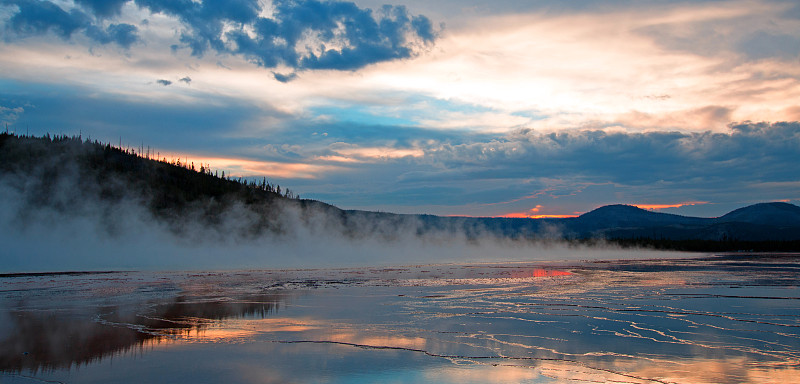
(728, 318)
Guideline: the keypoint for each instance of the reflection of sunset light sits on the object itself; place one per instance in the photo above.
(681, 371)
(379, 341)
(719, 371)
(218, 334)
(239, 329)
(285, 324)
(539, 272)
(693, 371)
(653, 207)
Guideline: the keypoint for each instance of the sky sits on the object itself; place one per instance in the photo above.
(451, 107)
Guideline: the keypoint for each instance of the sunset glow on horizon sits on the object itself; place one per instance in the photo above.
(656, 207)
(534, 213)
(527, 216)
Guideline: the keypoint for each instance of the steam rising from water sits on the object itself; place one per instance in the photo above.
(72, 226)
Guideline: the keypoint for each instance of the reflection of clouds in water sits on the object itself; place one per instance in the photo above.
(721, 370)
(736, 320)
(696, 371)
(417, 343)
(241, 330)
(57, 321)
(540, 372)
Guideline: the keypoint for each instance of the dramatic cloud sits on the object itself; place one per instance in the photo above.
(307, 34)
(40, 17)
(164, 82)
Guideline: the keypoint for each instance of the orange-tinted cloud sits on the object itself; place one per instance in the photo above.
(352, 152)
(655, 207)
(533, 213)
(236, 167)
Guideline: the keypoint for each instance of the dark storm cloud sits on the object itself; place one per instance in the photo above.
(164, 82)
(204, 20)
(187, 80)
(40, 17)
(305, 34)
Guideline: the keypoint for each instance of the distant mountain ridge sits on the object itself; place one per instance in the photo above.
(775, 221)
(778, 214)
(77, 177)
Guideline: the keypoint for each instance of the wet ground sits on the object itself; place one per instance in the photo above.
(727, 318)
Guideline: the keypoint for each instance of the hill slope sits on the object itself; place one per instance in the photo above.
(773, 214)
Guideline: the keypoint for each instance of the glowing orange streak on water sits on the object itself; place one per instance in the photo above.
(539, 272)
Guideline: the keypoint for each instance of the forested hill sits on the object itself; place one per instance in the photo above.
(177, 182)
(75, 176)
(53, 178)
